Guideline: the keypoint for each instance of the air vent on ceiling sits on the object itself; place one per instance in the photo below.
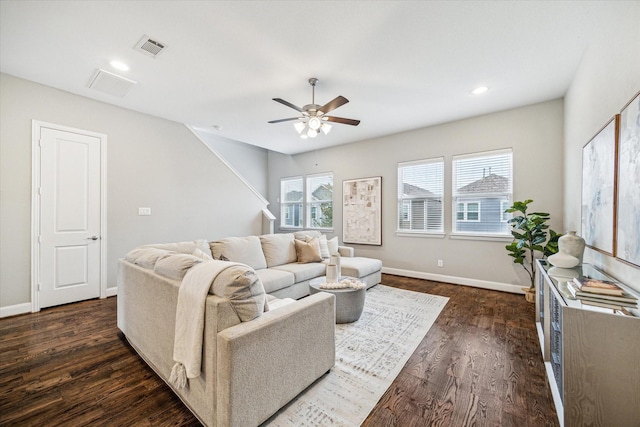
(149, 47)
(111, 84)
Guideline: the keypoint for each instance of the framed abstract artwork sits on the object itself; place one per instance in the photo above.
(598, 189)
(362, 211)
(628, 197)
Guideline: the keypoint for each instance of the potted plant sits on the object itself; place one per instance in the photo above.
(529, 231)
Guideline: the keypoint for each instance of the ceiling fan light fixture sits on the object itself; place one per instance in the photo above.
(325, 128)
(312, 133)
(299, 126)
(315, 123)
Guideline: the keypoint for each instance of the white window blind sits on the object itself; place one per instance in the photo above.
(320, 201)
(482, 186)
(291, 197)
(420, 195)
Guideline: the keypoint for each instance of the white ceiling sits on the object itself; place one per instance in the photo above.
(402, 64)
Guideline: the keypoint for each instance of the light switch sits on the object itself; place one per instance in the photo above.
(144, 211)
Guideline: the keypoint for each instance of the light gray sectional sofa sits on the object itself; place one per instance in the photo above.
(256, 357)
(274, 258)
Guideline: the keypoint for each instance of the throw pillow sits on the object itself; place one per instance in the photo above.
(176, 266)
(308, 251)
(333, 246)
(324, 247)
(242, 287)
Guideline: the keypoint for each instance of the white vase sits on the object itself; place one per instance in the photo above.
(335, 259)
(563, 260)
(332, 273)
(572, 244)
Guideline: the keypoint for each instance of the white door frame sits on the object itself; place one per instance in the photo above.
(36, 127)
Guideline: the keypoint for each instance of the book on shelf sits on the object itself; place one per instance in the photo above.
(606, 305)
(630, 299)
(631, 304)
(597, 286)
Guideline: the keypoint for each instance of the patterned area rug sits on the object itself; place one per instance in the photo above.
(369, 355)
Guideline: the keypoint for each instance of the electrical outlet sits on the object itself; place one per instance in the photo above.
(440, 263)
(144, 211)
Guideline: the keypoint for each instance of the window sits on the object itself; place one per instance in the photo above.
(504, 205)
(320, 201)
(291, 202)
(420, 193)
(468, 211)
(482, 190)
(316, 197)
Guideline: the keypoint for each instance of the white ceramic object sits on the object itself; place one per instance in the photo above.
(563, 273)
(563, 260)
(335, 259)
(572, 244)
(332, 273)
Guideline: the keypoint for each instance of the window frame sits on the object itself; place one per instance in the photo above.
(310, 204)
(405, 205)
(307, 205)
(480, 198)
(285, 214)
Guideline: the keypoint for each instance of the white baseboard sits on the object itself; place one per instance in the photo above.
(111, 292)
(14, 310)
(484, 284)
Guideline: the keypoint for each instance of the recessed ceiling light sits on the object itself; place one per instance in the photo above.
(118, 65)
(479, 90)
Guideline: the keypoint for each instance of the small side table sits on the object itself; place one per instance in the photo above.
(349, 301)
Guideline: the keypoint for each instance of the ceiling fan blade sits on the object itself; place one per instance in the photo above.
(284, 120)
(342, 120)
(332, 105)
(288, 104)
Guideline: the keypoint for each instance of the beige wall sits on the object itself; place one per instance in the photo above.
(151, 162)
(607, 78)
(535, 134)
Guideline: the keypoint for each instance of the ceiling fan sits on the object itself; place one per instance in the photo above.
(314, 117)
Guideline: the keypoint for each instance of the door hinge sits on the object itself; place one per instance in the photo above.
(39, 286)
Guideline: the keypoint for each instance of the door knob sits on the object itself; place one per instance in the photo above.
(93, 237)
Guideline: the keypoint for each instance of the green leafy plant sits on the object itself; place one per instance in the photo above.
(529, 231)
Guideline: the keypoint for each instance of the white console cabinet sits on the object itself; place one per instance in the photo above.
(591, 355)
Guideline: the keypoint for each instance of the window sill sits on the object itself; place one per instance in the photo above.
(420, 234)
(478, 236)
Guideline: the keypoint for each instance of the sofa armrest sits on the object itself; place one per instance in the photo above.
(264, 363)
(347, 251)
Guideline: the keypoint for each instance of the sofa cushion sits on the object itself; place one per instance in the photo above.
(274, 280)
(308, 251)
(303, 272)
(278, 249)
(359, 266)
(307, 235)
(175, 266)
(147, 256)
(242, 287)
(245, 250)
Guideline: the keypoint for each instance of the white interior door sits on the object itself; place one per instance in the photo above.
(69, 267)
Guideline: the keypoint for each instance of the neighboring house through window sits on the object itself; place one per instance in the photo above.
(482, 190)
(420, 193)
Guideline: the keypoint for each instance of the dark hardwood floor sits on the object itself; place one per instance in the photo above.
(479, 365)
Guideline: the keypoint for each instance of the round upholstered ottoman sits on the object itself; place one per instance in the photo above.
(349, 301)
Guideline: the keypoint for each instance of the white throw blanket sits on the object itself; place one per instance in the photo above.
(187, 343)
